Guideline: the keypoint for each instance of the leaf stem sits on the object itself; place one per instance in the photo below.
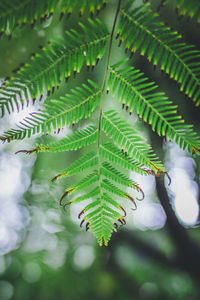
(106, 71)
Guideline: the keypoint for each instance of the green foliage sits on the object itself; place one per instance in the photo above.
(130, 141)
(116, 145)
(137, 93)
(56, 62)
(189, 8)
(57, 114)
(111, 153)
(77, 140)
(142, 30)
(20, 12)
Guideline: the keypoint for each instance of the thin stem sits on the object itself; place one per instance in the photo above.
(101, 101)
(106, 71)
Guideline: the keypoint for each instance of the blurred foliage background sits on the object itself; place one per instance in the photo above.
(44, 254)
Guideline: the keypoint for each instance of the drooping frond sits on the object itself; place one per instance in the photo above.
(91, 195)
(101, 214)
(187, 8)
(113, 174)
(142, 30)
(83, 163)
(74, 141)
(111, 153)
(103, 209)
(128, 139)
(91, 6)
(102, 220)
(94, 6)
(137, 93)
(190, 8)
(84, 183)
(111, 188)
(57, 61)
(15, 13)
(69, 109)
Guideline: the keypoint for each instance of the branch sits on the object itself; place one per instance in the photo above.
(188, 252)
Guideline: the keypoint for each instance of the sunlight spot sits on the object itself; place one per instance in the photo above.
(6, 290)
(185, 196)
(16, 117)
(9, 175)
(149, 290)
(2, 264)
(31, 272)
(147, 183)
(185, 199)
(4, 236)
(56, 258)
(51, 222)
(41, 33)
(38, 240)
(84, 257)
(23, 49)
(187, 208)
(183, 189)
(149, 216)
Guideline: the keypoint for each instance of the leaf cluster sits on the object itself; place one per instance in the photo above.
(117, 144)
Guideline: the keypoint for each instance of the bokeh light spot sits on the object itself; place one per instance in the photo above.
(31, 272)
(6, 290)
(84, 257)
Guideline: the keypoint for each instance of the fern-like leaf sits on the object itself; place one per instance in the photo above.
(15, 13)
(111, 153)
(142, 30)
(111, 173)
(84, 183)
(128, 139)
(103, 210)
(75, 141)
(83, 163)
(187, 8)
(19, 12)
(56, 62)
(91, 195)
(103, 185)
(99, 215)
(111, 188)
(136, 92)
(190, 8)
(70, 109)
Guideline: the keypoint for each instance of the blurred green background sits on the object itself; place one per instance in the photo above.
(44, 254)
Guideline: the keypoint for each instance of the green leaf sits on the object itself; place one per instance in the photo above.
(70, 109)
(136, 93)
(111, 173)
(14, 13)
(102, 211)
(57, 61)
(74, 141)
(83, 163)
(189, 8)
(114, 155)
(128, 139)
(142, 30)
